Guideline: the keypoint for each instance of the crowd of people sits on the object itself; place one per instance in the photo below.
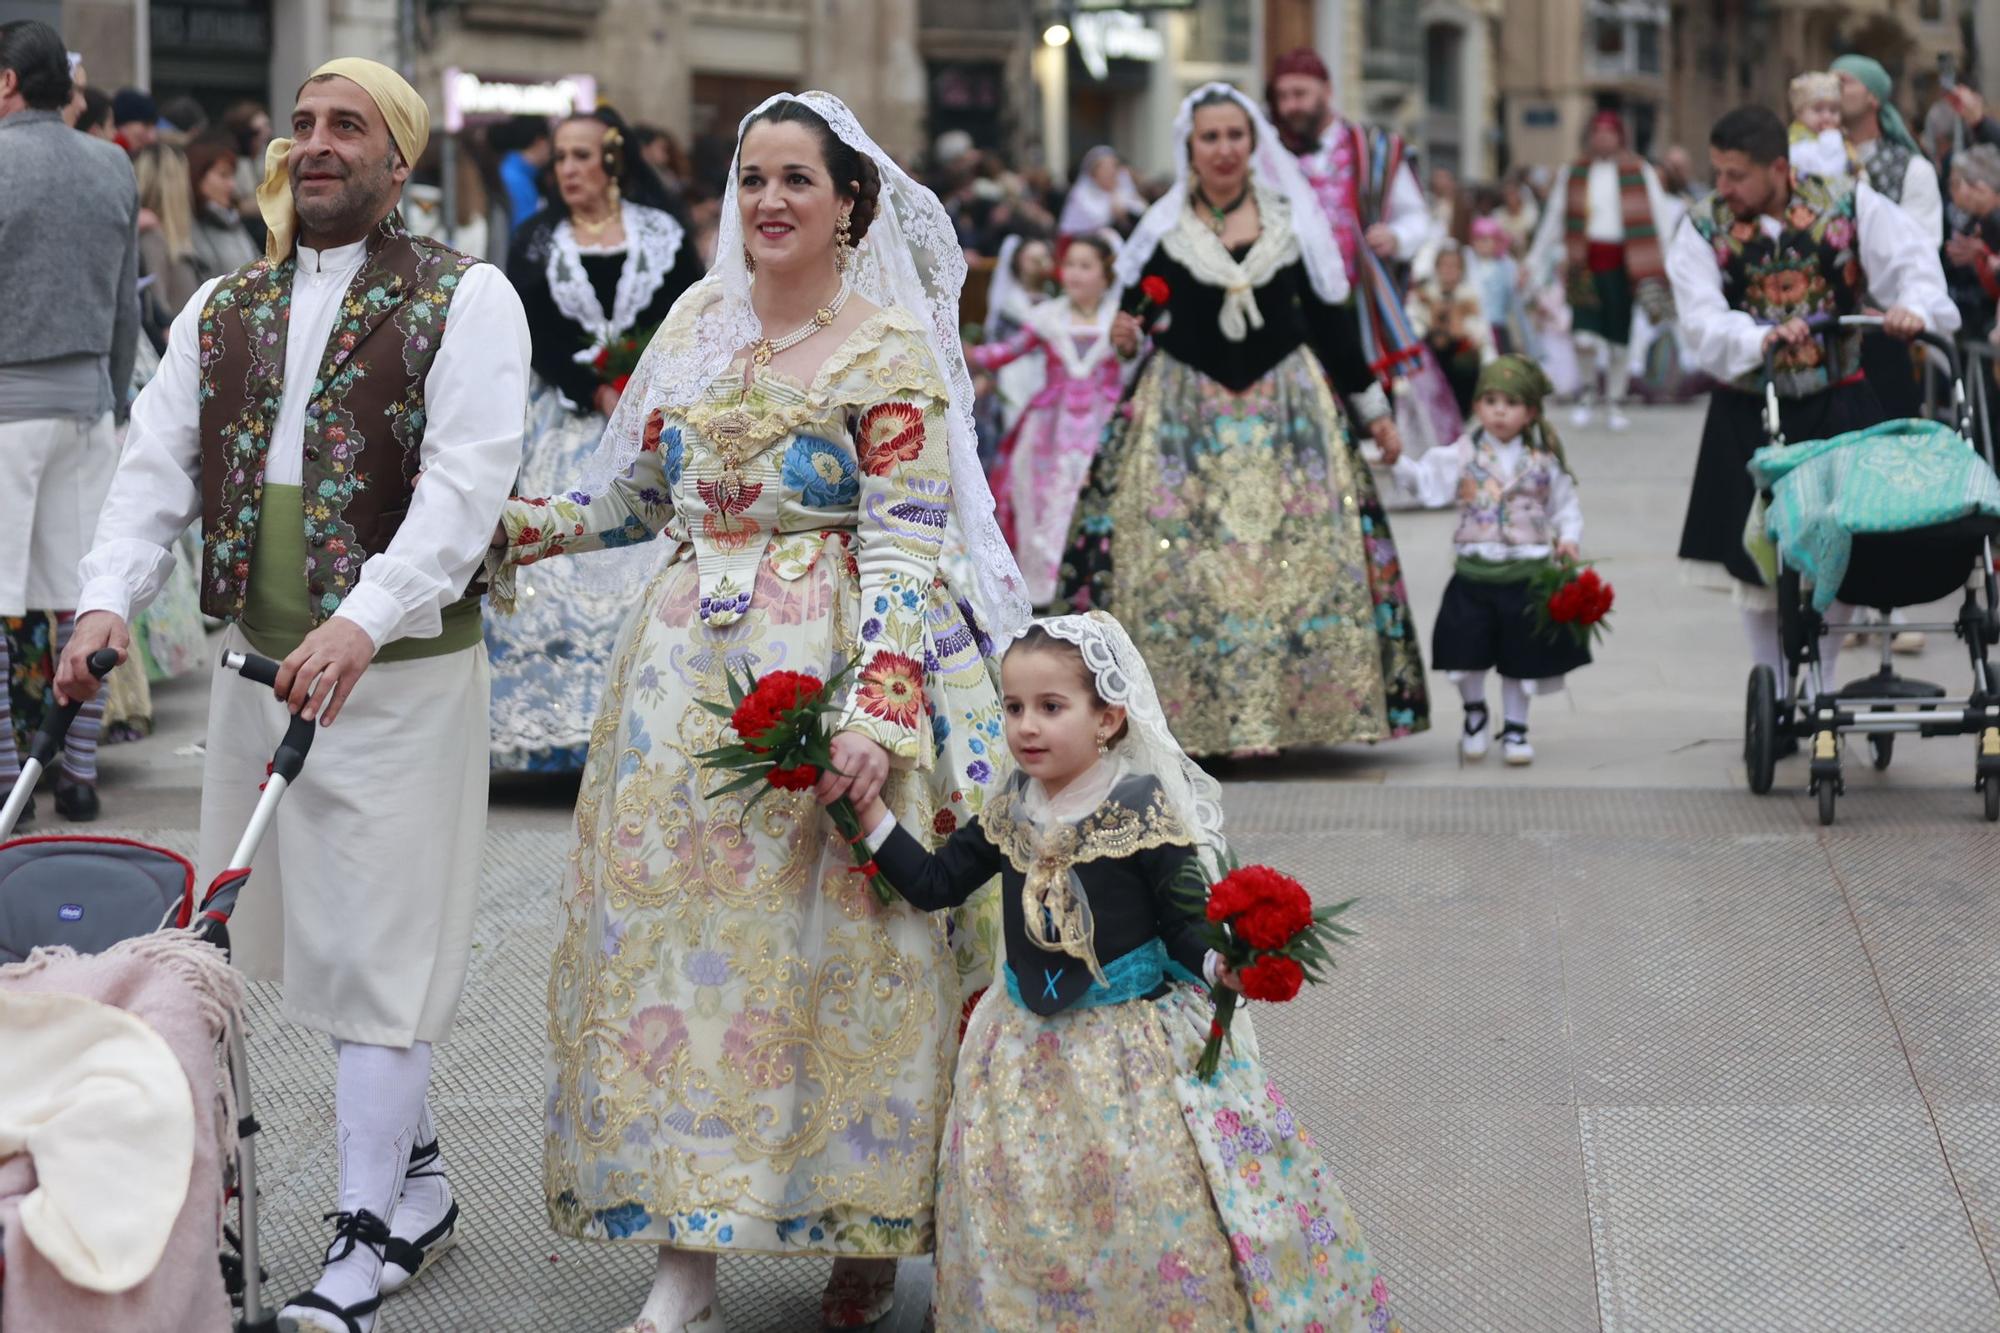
(685, 425)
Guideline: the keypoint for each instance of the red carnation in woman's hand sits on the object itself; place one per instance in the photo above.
(1276, 978)
(798, 778)
(765, 706)
(1154, 288)
(1273, 922)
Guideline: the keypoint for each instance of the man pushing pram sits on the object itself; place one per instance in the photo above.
(1751, 265)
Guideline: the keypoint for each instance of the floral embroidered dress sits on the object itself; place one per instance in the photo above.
(750, 1052)
(1046, 456)
(1089, 1180)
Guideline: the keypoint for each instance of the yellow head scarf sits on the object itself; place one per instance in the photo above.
(409, 125)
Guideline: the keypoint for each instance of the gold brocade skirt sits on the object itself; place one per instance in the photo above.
(1240, 540)
(1088, 1181)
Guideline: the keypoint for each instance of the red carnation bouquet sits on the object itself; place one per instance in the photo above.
(1263, 924)
(783, 726)
(1570, 596)
(1153, 296)
(617, 360)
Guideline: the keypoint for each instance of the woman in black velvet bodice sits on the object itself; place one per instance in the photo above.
(605, 259)
(1230, 520)
(1294, 316)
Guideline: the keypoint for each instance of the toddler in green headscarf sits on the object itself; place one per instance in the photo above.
(1517, 510)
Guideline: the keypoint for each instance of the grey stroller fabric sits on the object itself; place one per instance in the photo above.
(87, 893)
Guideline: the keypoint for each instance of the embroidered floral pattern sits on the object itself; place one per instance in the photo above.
(364, 417)
(822, 474)
(889, 434)
(803, 1110)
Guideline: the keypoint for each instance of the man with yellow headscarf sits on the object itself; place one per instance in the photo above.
(300, 400)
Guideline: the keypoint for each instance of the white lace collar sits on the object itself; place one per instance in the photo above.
(1197, 248)
(1085, 792)
(652, 240)
(1055, 321)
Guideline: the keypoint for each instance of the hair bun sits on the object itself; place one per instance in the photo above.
(867, 200)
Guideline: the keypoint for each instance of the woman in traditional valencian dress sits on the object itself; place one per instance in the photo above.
(1230, 522)
(1046, 456)
(751, 1053)
(604, 261)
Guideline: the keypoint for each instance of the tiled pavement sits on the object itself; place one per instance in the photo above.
(1616, 1059)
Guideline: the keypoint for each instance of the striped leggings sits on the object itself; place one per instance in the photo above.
(79, 760)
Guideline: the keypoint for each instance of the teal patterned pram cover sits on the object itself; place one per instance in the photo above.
(1895, 477)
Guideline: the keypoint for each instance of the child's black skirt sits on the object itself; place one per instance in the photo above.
(1482, 626)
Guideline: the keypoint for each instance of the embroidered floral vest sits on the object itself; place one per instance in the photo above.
(1496, 512)
(1812, 270)
(364, 424)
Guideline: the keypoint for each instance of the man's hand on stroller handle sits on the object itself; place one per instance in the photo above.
(1902, 322)
(94, 630)
(319, 674)
(1793, 331)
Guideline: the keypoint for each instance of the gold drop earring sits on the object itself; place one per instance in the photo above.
(1103, 743)
(843, 241)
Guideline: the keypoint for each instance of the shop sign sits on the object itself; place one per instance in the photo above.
(1115, 34)
(468, 94)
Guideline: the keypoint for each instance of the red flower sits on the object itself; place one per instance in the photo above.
(620, 383)
(1154, 288)
(800, 778)
(868, 869)
(603, 358)
(890, 433)
(945, 824)
(1276, 978)
(655, 426)
(527, 536)
(1273, 922)
(892, 688)
(769, 701)
(1249, 886)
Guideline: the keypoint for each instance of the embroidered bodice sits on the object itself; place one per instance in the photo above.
(1108, 884)
(762, 470)
(1499, 506)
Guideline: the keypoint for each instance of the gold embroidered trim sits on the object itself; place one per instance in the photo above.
(1047, 861)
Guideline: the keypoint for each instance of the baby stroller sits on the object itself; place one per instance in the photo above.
(91, 892)
(1885, 565)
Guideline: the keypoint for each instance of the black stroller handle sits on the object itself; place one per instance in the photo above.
(55, 727)
(1819, 324)
(290, 758)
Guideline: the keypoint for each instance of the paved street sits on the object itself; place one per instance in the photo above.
(1620, 1046)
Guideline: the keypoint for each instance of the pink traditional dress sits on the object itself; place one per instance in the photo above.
(1046, 457)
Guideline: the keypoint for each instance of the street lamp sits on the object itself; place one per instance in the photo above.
(1056, 34)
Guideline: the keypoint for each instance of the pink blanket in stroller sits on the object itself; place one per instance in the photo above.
(186, 992)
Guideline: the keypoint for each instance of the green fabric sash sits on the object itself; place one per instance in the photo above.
(1474, 570)
(277, 613)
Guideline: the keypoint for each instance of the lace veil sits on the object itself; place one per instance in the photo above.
(1271, 165)
(1149, 746)
(909, 258)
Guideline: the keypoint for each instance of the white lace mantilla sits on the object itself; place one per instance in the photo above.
(652, 242)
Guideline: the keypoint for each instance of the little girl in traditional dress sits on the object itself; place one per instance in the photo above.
(1046, 456)
(1517, 507)
(1087, 1178)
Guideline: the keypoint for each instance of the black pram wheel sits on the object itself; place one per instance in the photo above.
(1760, 729)
(1826, 798)
(1882, 746)
(1992, 789)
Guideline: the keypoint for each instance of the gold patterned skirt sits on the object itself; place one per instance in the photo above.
(1240, 540)
(1089, 1181)
(749, 1052)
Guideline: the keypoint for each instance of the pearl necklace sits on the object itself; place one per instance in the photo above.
(764, 349)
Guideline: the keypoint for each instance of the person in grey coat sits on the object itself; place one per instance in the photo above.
(69, 285)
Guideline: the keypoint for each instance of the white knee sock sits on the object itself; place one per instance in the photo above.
(1590, 364)
(1514, 702)
(1760, 628)
(426, 1195)
(683, 1286)
(1617, 373)
(378, 1102)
